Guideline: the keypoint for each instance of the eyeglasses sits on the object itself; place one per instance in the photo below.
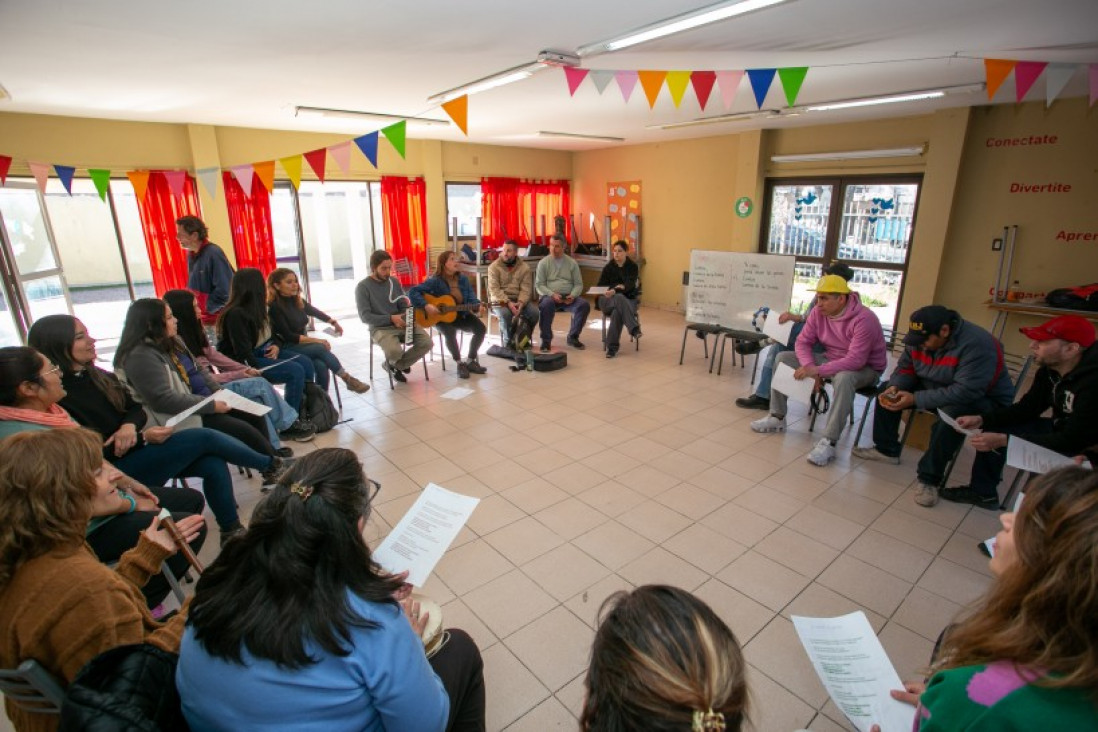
(47, 372)
(372, 487)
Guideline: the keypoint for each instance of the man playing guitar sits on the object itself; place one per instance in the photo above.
(447, 281)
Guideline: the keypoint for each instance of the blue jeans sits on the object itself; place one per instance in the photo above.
(549, 308)
(529, 312)
(258, 389)
(196, 453)
(293, 374)
(324, 361)
(766, 373)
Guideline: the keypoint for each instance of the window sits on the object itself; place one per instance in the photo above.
(863, 222)
(462, 204)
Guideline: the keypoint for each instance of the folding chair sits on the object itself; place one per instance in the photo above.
(32, 688)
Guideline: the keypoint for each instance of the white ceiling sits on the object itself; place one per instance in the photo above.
(250, 62)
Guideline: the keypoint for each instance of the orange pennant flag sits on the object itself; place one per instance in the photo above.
(458, 109)
(140, 181)
(997, 72)
(292, 166)
(651, 82)
(677, 82)
(265, 171)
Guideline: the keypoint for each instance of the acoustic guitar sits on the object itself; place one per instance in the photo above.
(448, 310)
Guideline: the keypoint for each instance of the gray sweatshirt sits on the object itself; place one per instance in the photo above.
(378, 301)
(561, 276)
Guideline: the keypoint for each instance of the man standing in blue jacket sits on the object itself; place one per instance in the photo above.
(209, 271)
(955, 366)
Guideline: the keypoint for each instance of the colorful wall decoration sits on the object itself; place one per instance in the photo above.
(623, 203)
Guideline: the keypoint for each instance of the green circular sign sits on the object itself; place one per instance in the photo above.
(744, 206)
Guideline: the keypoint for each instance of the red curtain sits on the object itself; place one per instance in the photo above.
(548, 198)
(404, 210)
(159, 210)
(499, 211)
(250, 222)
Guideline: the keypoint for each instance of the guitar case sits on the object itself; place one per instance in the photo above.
(542, 361)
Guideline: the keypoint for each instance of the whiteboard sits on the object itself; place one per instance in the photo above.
(727, 288)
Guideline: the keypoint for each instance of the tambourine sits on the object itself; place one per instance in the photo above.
(433, 636)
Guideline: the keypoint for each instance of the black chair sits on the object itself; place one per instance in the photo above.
(738, 338)
(32, 688)
(705, 330)
(392, 384)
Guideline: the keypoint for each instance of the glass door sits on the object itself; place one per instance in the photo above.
(28, 248)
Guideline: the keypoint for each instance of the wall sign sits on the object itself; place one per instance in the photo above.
(744, 207)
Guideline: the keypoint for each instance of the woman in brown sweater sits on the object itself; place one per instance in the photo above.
(58, 604)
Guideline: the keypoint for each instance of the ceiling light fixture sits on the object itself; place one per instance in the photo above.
(737, 117)
(579, 136)
(677, 24)
(896, 152)
(912, 96)
(545, 59)
(356, 114)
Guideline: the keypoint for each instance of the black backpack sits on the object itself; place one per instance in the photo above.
(318, 408)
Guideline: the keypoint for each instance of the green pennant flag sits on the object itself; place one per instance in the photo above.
(792, 78)
(102, 181)
(394, 133)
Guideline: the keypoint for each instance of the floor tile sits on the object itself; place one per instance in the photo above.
(798, 552)
(705, 548)
(926, 613)
(778, 653)
(471, 566)
(763, 580)
(564, 571)
(661, 567)
(611, 497)
(891, 555)
(508, 603)
(925, 535)
(825, 527)
(654, 521)
(534, 495)
(865, 584)
(555, 647)
(739, 524)
(586, 605)
(570, 518)
(548, 715)
(768, 502)
(742, 614)
(612, 544)
(523, 540)
(689, 500)
(817, 601)
(511, 689)
(952, 581)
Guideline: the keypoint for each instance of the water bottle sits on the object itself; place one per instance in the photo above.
(529, 359)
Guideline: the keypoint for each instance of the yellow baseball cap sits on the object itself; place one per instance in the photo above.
(833, 284)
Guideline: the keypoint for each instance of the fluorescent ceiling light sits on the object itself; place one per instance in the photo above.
(896, 152)
(913, 96)
(677, 24)
(356, 114)
(508, 76)
(737, 117)
(579, 136)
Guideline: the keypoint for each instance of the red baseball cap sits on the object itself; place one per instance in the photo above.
(1070, 328)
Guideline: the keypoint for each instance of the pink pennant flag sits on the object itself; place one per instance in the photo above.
(575, 77)
(41, 171)
(1092, 69)
(1025, 73)
(1056, 78)
(729, 82)
(176, 180)
(627, 82)
(341, 153)
(243, 175)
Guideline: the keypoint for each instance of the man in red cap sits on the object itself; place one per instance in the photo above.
(1066, 382)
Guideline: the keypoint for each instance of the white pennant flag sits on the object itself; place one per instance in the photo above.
(1056, 78)
(601, 78)
(208, 178)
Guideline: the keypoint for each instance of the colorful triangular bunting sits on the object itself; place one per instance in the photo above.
(341, 153)
(292, 166)
(265, 171)
(177, 181)
(140, 181)
(729, 82)
(703, 81)
(5, 166)
(458, 109)
(760, 79)
(601, 78)
(65, 173)
(575, 77)
(208, 178)
(651, 81)
(627, 82)
(395, 134)
(1056, 78)
(792, 79)
(366, 143)
(997, 71)
(677, 82)
(317, 160)
(102, 180)
(243, 175)
(1025, 73)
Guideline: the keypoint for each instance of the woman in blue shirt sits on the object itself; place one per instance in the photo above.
(294, 627)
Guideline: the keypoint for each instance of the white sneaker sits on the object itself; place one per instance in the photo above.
(822, 453)
(927, 495)
(769, 423)
(872, 453)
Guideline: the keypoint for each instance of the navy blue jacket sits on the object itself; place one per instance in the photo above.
(210, 275)
(436, 286)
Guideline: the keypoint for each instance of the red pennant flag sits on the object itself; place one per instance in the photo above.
(317, 159)
(703, 81)
(5, 165)
(1025, 73)
(651, 82)
(575, 77)
(458, 109)
(997, 71)
(140, 181)
(177, 180)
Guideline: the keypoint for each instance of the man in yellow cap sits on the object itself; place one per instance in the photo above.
(853, 357)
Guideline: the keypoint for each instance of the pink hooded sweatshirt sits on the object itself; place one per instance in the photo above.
(851, 341)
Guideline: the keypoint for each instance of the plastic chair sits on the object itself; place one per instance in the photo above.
(32, 688)
(392, 384)
(706, 330)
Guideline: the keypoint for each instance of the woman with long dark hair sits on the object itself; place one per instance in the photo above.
(58, 604)
(294, 626)
(233, 375)
(167, 378)
(663, 661)
(149, 454)
(245, 335)
(447, 280)
(619, 304)
(289, 313)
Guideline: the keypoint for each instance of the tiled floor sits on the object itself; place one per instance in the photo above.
(612, 474)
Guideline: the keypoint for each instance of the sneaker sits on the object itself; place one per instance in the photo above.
(823, 453)
(397, 373)
(279, 465)
(358, 387)
(301, 430)
(872, 453)
(575, 343)
(753, 402)
(770, 423)
(475, 367)
(965, 494)
(926, 495)
(463, 370)
(636, 333)
(284, 452)
(611, 351)
(546, 346)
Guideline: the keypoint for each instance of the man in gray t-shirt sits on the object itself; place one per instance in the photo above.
(382, 305)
